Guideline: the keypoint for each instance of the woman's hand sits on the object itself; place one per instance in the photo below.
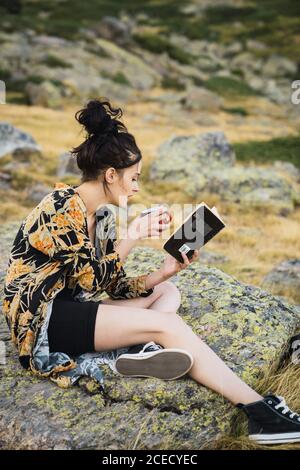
(171, 266)
(150, 225)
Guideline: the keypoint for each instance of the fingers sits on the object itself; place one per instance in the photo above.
(186, 260)
(155, 225)
(157, 229)
(157, 214)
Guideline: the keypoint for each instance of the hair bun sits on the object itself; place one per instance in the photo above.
(97, 119)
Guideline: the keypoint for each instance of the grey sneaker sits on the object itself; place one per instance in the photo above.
(152, 360)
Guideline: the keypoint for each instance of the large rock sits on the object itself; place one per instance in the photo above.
(278, 90)
(114, 29)
(37, 191)
(189, 159)
(15, 51)
(44, 94)
(16, 142)
(246, 61)
(67, 165)
(287, 168)
(209, 257)
(246, 326)
(140, 75)
(279, 66)
(285, 277)
(254, 187)
(205, 162)
(20, 157)
(202, 100)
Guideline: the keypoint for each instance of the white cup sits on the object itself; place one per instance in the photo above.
(154, 209)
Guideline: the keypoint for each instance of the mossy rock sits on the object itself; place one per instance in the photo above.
(246, 326)
(283, 278)
(190, 158)
(206, 163)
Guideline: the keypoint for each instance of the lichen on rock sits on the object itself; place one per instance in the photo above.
(246, 326)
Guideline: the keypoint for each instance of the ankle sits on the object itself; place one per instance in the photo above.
(250, 398)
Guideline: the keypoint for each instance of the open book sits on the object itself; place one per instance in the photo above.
(196, 230)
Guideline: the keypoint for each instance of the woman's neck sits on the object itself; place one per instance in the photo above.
(90, 194)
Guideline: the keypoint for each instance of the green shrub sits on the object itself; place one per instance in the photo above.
(16, 98)
(158, 44)
(53, 61)
(35, 79)
(237, 110)
(5, 75)
(280, 148)
(119, 77)
(229, 87)
(197, 81)
(169, 82)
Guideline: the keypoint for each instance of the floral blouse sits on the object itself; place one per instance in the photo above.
(51, 249)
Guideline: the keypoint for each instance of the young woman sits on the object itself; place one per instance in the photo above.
(138, 310)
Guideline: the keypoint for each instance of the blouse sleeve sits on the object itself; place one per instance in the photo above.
(61, 234)
(128, 287)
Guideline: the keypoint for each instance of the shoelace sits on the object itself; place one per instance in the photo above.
(286, 409)
(151, 346)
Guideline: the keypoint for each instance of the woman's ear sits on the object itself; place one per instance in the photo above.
(110, 175)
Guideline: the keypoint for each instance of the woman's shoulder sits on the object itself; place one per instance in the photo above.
(61, 205)
(63, 196)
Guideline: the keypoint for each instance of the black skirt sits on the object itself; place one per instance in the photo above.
(71, 327)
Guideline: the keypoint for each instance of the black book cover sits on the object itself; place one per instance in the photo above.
(196, 230)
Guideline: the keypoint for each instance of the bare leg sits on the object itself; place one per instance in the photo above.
(165, 298)
(169, 300)
(208, 369)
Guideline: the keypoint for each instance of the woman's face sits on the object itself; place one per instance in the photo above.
(126, 186)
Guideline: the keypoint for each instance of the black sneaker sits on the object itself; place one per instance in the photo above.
(152, 360)
(151, 346)
(271, 421)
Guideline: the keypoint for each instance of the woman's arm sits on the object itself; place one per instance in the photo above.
(131, 287)
(154, 278)
(169, 267)
(139, 228)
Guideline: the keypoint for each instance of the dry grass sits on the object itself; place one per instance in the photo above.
(284, 381)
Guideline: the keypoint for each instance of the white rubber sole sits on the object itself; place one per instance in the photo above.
(167, 364)
(275, 438)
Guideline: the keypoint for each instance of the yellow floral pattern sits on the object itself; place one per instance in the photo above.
(51, 248)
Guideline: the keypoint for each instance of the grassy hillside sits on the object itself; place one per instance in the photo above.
(274, 22)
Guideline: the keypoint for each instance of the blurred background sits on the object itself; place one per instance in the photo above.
(211, 92)
(206, 89)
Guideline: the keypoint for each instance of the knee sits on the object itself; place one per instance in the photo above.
(169, 289)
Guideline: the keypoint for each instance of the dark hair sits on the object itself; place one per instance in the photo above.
(107, 143)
